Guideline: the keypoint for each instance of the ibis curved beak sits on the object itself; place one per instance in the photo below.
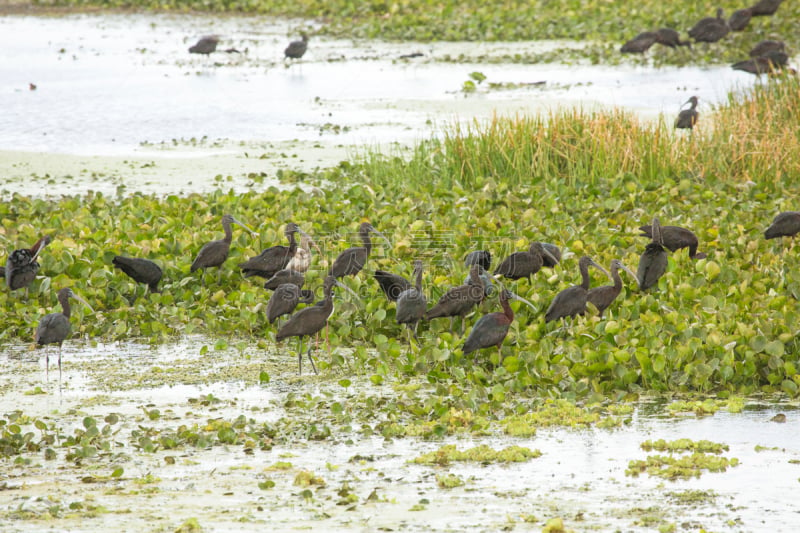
(600, 268)
(381, 235)
(521, 299)
(81, 300)
(549, 255)
(242, 224)
(348, 289)
(631, 272)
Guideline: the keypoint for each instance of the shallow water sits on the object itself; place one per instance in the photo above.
(107, 83)
(120, 106)
(580, 476)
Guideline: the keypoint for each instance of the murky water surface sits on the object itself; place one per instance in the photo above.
(580, 476)
(105, 84)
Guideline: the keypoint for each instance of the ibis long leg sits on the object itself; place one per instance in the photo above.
(300, 355)
(310, 346)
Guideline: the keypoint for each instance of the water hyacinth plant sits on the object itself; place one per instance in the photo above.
(586, 181)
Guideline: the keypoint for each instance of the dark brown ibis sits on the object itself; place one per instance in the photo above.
(412, 304)
(483, 259)
(765, 8)
(214, 253)
(206, 45)
(285, 276)
(653, 262)
(786, 224)
(674, 238)
(572, 300)
(602, 297)
(671, 38)
(710, 29)
(274, 258)
(21, 265)
(54, 328)
(740, 18)
(479, 257)
(284, 300)
(301, 260)
(553, 255)
(351, 261)
(524, 264)
(765, 47)
(140, 270)
(640, 44)
(486, 279)
(459, 300)
(296, 49)
(491, 329)
(391, 284)
(309, 321)
(769, 63)
(687, 118)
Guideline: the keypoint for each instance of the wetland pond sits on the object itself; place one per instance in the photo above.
(203, 434)
(120, 103)
(309, 454)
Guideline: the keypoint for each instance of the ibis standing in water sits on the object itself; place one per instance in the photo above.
(54, 328)
(301, 260)
(296, 49)
(771, 62)
(687, 118)
(710, 29)
(214, 253)
(602, 297)
(274, 258)
(285, 299)
(309, 321)
(492, 329)
(765, 8)
(524, 264)
(205, 46)
(786, 224)
(483, 259)
(21, 265)
(351, 261)
(653, 263)
(671, 38)
(674, 238)
(740, 19)
(640, 44)
(459, 300)
(412, 304)
(763, 48)
(140, 270)
(479, 257)
(572, 300)
(285, 276)
(392, 285)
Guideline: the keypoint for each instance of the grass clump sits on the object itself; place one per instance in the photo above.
(683, 445)
(680, 468)
(554, 413)
(480, 454)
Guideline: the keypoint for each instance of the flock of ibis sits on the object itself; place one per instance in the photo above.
(767, 57)
(284, 269)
